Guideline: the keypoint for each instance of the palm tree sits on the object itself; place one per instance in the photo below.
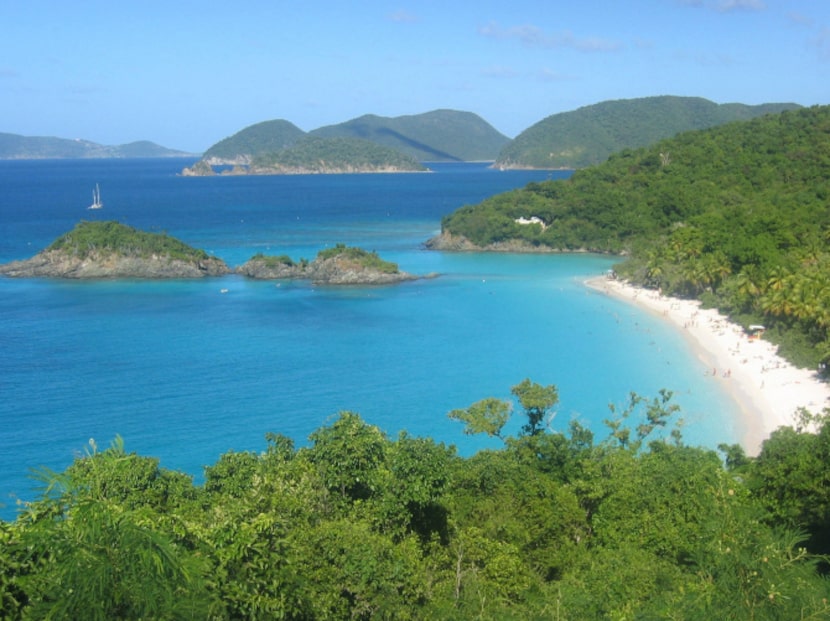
(776, 278)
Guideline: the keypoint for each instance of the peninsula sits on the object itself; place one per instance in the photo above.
(340, 265)
(107, 250)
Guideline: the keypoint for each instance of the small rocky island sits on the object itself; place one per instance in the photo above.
(114, 250)
(110, 250)
(340, 265)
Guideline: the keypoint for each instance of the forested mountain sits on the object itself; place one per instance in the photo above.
(254, 140)
(14, 146)
(554, 525)
(738, 215)
(440, 135)
(587, 136)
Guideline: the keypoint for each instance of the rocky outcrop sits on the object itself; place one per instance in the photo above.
(99, 265)
(204, 169)
(271, 268)
(199, 169)
(458, 243)
(341, 270)
(452, 243)
(338, 270)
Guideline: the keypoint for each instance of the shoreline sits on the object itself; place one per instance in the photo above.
(767, 389)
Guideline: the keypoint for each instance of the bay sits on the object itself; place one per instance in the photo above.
(185, 372)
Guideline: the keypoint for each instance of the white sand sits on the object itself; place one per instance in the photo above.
(767, 388)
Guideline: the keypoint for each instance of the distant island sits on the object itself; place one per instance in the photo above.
(315, 155)
(111, 250)
(16, 147)
(566, 140)
(367, 144)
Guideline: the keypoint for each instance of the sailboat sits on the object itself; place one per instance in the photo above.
(96, 198)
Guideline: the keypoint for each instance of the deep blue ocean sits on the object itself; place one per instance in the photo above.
(184, 372)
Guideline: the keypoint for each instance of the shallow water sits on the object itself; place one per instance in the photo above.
(185, 372)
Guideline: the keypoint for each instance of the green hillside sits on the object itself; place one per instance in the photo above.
(265, 137)
(440, 135)
(738, 215)
(110, 237)
(314, 154)
(589, 135)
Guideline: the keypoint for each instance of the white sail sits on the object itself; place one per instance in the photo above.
(96, 198)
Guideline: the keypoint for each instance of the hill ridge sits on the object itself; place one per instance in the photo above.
(588, 135)
(16, 146)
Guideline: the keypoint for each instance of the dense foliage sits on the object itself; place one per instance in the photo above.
(738, 215)
(359, 526)
(364, 258)
(265, 137)
(315, 154)
(440, 135)
(273, 260)
(587, 136)
(112, 237)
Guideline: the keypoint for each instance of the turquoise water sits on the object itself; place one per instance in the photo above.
(185, 372)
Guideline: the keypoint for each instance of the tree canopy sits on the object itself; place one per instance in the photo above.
(356, 525)
(338, 154)
(110, 237)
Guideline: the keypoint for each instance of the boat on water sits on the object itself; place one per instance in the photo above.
(96, 198)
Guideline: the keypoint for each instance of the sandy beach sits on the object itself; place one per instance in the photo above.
(768, 389)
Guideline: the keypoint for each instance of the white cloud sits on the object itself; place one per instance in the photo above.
(725, 6)
(533, 36)
(741, 5)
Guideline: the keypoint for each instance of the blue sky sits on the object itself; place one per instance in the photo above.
(186, 74)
